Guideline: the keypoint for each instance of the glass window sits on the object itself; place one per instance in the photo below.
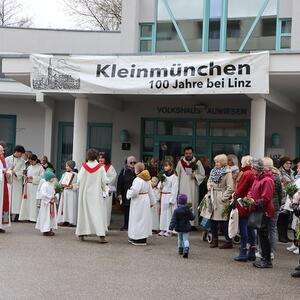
(241, 15)
(100, 138)
(214, 25)
(66, 142)
(7, 133)
(286, 26)
(201, 146)
(285, 42)
(201, 128)
(230, 129)
(146, 30)
(236, 149)
(149, 127)
(175, 128)
(189, 18)
(148, 145)
(145, 46)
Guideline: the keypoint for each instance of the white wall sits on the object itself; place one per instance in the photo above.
(281, 122)
(24, 40)
(30, 122)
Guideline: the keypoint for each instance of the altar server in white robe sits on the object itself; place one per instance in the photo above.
(111, 175)
(91, 206)
(35, 172)
(190, 174)
(142, 199)
(68, 204)
(16, 167)
(168, 198)
(156, 207)
(47, 221)
(4, 195)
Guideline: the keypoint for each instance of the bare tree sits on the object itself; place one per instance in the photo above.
(96, 14)
(11, 14)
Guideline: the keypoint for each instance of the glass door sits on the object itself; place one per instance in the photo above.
(172, 148)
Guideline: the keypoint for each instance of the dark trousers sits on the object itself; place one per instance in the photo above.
(265, 243)
(283, 225)
(247, 234)
(214, 225)
(126, 209)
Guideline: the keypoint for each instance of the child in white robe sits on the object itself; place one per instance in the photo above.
(68, 205)
(142, 199)
(156, 207)
(46, 221)
(35, 172)
(168, 199)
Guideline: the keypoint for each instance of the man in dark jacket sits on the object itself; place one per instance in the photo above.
(181, 223)
(125, 180)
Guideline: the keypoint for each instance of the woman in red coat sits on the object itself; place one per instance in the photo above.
(243, 187)
(261, 194)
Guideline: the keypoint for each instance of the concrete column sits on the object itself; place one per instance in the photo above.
(258, 127)
(48, 132)
(80, 129)
(130, 26)
(295, 25)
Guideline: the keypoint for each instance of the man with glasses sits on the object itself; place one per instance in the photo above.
(125, 180)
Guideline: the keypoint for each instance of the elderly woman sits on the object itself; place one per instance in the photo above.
(287, 176)
(220, 189)
(247, 234)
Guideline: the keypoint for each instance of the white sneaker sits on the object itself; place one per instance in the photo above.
(167, 234)
(272, 256)
(296, 251)
(258, 255)
(292, 248)
(162, 233)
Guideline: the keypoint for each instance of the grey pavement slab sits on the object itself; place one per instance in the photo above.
(62, 267)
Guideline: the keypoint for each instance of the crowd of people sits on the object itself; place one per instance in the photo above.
(159, 199)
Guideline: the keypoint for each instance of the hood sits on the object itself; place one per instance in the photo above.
(266, 174)
(145, 175)
(275, 171)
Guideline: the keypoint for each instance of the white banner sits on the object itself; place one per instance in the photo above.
(196, 73)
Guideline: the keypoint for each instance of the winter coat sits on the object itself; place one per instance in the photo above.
(125, 180)
(278, 192)
(181, 219)
(262, 190)
(218, 195)
(244, 185)
(286, 178)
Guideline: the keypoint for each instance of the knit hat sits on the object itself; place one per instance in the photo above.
(284, 159)
(182, 199)
(71, 164)
(258, 164)
(48, 175)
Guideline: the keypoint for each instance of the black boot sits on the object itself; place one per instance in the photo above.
(16, 218)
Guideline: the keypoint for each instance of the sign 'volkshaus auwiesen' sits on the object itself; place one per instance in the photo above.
(198, 73)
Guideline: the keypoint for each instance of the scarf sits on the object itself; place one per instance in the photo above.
(217, 174)
(107, 167)
(145, 175)
(187, 164)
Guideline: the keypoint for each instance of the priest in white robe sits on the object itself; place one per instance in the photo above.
(190, 175)
(91, 206)
(4, 195)
(142, 199)
(16, 167)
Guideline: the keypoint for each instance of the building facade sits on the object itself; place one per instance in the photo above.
(63, 126)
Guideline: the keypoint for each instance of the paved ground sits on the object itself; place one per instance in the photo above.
(37, 267)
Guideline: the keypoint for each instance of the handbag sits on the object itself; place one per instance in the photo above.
(257, 218)
(233, 225)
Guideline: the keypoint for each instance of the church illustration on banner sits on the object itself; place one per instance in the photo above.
(58, 75)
